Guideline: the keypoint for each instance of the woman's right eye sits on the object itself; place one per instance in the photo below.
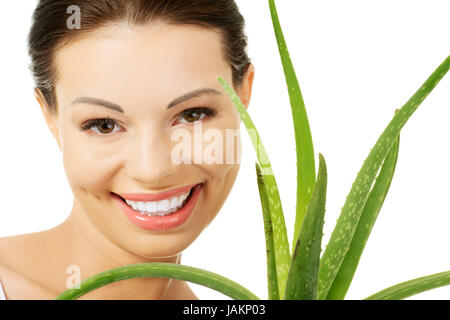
(102, 126)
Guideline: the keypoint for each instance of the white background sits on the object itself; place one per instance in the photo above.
(357, 61)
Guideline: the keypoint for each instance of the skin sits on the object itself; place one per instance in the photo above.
(141, 69)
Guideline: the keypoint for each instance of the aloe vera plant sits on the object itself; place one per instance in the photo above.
(305, 274)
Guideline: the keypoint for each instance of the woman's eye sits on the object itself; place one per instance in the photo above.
(106, 126)
(195, 114)
(101, 126)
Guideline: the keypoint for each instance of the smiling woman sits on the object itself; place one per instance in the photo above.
(114, 91)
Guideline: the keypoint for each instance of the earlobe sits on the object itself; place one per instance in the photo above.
(50, 118)
(247, 84)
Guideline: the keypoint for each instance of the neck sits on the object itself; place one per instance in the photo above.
(78, 244)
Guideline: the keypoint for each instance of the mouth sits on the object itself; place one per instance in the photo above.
(160, 214)
(161, 207)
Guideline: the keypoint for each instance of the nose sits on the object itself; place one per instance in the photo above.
(150, 163)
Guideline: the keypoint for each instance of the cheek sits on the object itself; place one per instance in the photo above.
(221, 152)
(221, 148)
(218, 189)
(87, 163)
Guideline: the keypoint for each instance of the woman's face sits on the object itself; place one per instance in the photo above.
(134, 75)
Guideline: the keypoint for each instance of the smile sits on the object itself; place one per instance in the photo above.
(162, 207)
(160, 211)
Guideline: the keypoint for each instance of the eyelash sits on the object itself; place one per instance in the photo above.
(207, 111)
(94, 123)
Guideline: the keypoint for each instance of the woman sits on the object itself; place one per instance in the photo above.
(119, 83)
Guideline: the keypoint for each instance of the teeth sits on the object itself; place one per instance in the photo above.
(158, 208)
(151, 207)
(174, 203)
(163, 205)
(141, 206)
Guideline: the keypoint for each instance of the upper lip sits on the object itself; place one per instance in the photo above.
(157, 196)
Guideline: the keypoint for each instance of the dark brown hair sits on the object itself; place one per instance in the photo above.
(49, 30)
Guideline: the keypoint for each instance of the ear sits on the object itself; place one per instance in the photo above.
(245, 91)
(50, 118)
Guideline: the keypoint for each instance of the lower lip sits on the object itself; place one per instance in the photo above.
(154, 223)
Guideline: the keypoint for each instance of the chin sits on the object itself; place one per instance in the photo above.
(159, 246)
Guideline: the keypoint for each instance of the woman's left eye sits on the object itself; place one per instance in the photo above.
(195, 114)
(102, 126)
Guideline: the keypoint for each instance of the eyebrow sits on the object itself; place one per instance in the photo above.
(113, 106)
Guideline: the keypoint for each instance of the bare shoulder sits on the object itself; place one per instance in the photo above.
(18, 286)
(20, 252)
(179, 290)
(18, 266)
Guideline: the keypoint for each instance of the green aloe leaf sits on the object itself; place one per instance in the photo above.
(303, 140)
(369, 215)
(272, 282)
(303, 274)
(409, 288)
(160, 270)
(347, 222)
(280, 240)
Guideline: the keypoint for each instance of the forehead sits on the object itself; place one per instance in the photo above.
(155, 61)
